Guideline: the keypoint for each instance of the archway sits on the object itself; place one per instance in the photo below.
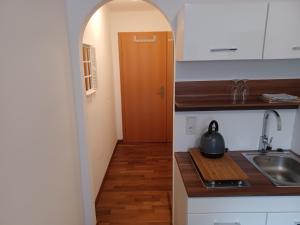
(81, 119)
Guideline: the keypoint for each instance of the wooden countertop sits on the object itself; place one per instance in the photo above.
(259, 184)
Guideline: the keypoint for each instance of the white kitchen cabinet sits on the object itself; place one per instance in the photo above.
(283, 30)
(221, 31)
(251, 210)
(283, 219)
(228, 219)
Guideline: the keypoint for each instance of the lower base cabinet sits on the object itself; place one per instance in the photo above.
(244, 219)
(228, 219)
(283, 219)
(251, 210)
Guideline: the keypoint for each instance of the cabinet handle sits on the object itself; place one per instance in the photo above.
(296, 48)
(223, 49)
(227, 224)
(153, 39)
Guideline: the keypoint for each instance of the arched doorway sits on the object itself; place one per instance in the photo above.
(87, 97)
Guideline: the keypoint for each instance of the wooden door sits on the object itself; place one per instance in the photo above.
(143, 67)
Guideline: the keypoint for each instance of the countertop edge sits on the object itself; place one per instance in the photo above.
(259, 184)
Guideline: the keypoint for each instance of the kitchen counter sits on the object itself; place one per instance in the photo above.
(259, 184)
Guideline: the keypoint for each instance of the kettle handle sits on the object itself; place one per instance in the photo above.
(210, 127)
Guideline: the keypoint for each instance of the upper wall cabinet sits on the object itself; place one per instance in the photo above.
(221, 31)
(283, 30)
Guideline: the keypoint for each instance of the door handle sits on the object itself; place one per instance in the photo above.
(227, 224)
(161, 91)
(296, 48)
(223, 49)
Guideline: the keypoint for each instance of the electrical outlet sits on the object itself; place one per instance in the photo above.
(190, 125)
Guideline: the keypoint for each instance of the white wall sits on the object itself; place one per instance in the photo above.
(234, 121)
(131, 21)
(39, 161)
(296, 136)
(241, 129)
(246, 69)
(100, 108)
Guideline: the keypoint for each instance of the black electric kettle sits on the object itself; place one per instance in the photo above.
(212, 143)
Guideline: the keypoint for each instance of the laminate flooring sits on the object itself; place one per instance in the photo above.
(137, 187)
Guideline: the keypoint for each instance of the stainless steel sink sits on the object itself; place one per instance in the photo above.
(282, 168)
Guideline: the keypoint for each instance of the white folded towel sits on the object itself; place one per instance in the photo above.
(280, 97)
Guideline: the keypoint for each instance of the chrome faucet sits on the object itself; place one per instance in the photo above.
(265, 142)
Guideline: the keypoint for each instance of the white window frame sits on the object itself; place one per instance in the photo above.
(89, 65)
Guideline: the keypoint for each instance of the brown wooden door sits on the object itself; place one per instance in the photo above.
(143, 67)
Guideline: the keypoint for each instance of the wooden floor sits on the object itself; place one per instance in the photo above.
(137, 187)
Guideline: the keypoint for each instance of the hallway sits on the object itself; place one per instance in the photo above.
(137, 187)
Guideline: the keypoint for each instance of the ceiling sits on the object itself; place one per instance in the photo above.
(130, 5)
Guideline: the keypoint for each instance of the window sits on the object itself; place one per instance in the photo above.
(89, 68)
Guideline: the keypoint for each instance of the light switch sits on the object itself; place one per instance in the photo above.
(190, 125)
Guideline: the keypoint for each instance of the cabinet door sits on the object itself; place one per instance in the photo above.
(283, 33)
(228, 219)
(221, 31)
(283, 219)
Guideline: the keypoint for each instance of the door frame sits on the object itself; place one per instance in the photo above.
(78, 14)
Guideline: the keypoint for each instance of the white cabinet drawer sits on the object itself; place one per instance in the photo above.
(228, 219)
(283, 219)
